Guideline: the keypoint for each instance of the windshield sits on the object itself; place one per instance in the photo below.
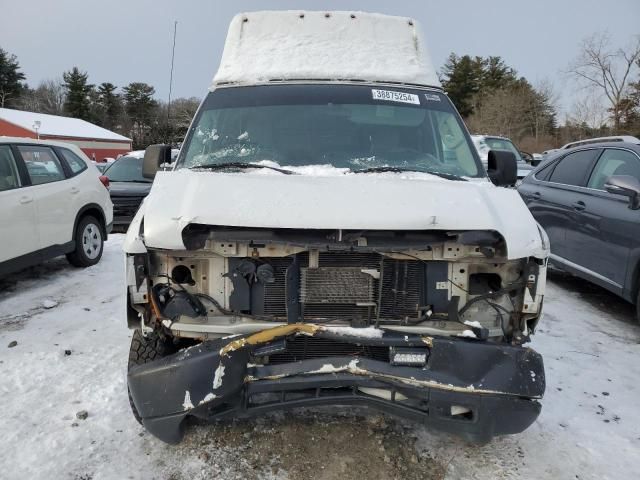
(126, 169)
(503, 144)
(344, 126)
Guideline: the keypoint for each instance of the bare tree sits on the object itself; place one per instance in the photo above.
(588, 111)
(607, 70)
(49, 97)
(500, 114)
(517, 112)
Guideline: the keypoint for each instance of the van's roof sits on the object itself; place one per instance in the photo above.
(296, 45)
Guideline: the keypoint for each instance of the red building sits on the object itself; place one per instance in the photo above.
(97, 142)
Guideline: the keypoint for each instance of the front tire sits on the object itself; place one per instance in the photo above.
(145, 349)
(89, 241)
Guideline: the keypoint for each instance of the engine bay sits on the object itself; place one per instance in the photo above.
(234, 280)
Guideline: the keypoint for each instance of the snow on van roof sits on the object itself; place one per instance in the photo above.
(58, 126)
(311, 45)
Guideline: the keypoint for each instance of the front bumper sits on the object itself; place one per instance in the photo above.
(495, 385)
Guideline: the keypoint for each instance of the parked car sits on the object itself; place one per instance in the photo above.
(587, 199)
(554, 152)
(51, 203)
(536, 159)
(101, 166)
(485, 143)
(332, 242)
(127, 187)
(591, 141)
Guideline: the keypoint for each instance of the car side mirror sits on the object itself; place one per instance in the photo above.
(502, 168)
(625, 185)
(154, 156)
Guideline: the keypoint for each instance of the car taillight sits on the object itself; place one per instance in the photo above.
(105, 180)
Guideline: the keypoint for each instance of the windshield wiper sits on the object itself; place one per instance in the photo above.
(240, 165)
(448, 176)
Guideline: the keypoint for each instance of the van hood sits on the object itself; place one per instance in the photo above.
(383, 201)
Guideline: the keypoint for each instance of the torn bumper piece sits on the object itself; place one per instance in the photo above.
(472, 388)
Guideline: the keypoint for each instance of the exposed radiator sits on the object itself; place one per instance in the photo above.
(402, 288)
(338, 289)
(335, 285)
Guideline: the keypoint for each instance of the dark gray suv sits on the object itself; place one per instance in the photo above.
(588, 201)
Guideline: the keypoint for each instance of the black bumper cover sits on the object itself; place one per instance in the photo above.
(498, 384)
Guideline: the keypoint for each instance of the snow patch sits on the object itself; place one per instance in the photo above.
(231, 336)
(208, 397)
(136, 154)
(369, 332)
(217, 378)
(473, 323)
(329, 368)
(281, 45)
(48, 303)
(186, 404)
(467, 334)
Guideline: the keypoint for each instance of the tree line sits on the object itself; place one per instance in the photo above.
(132, 110)
(493, 99)
(489, 94)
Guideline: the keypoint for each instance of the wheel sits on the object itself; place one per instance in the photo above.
(144, 350)
(89, 243)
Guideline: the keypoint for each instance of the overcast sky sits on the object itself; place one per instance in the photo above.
(123, 41)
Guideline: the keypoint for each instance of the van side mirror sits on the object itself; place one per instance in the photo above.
(154, 156)
(502, 168)
(625, 185)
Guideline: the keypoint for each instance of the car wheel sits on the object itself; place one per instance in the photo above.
(89, 243)
(145, 349)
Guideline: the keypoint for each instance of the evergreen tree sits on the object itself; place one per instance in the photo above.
(10, 79)
(467, 80)
(109, 105)
(78, 94)
(462, 79)
(496, 74)
(141, 108)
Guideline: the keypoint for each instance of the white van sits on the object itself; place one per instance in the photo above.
(52, 203)
(328, 236)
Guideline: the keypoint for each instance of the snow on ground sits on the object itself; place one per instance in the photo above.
(72, 345)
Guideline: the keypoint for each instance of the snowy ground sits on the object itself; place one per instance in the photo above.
(589, 426)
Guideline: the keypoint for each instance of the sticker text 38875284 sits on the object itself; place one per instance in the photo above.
(393, 96)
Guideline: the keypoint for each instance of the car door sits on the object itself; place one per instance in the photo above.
(548, 192)
(80, 189)
(52, 194)
(18, 231)
(604, 229)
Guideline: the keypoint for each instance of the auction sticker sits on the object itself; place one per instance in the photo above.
(392, 96)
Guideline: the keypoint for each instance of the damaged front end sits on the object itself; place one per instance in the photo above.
(423, 324)
(474, 389)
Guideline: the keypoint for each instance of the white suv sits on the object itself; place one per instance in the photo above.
(52, 202)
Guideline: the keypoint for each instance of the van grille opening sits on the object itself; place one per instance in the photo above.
(344, 286)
